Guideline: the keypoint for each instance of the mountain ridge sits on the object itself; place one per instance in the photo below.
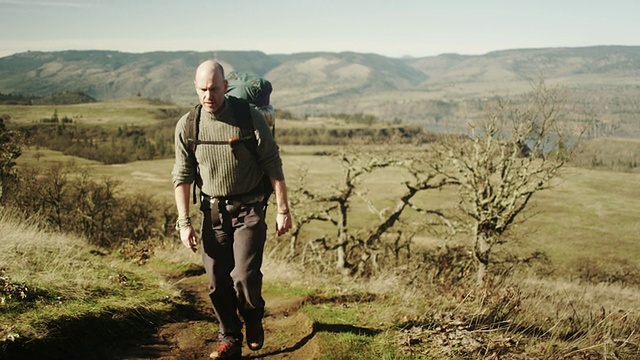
(311, 83)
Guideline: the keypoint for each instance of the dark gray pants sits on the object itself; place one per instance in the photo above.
(232, 257)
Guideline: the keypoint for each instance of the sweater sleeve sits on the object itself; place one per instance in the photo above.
(184, 169)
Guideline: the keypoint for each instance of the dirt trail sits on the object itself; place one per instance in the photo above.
(289, 334)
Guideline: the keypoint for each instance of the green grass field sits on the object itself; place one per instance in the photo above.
(130, 111)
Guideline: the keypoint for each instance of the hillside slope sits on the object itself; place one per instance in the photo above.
(427, 90)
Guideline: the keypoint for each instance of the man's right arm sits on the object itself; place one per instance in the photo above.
(182, 175)
(187, 233)
(182, 199)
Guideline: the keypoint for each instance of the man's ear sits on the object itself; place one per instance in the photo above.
(226, 86)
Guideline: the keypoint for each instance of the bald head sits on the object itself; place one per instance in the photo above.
(210, 85)
(209, 68)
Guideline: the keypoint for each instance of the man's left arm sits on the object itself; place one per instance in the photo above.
(271, 163)
(284, 220)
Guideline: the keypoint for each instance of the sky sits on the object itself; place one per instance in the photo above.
(393, 28)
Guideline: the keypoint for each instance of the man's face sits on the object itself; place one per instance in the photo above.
(210, 87)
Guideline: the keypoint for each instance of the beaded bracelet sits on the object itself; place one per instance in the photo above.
(183, 222)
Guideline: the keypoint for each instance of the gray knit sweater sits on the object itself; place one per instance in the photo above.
(225, 171)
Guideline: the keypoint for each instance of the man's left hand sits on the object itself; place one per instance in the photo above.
(283, 223)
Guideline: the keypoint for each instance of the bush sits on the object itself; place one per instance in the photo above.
(69, 200)
(608, 271)
(10, 149)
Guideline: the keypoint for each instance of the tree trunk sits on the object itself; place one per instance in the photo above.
(481, 250)
(342, 262)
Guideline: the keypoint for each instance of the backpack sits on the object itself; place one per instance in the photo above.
(256, 90)
(250, 87)
(242, 114)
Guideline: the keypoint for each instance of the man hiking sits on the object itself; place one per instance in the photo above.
(228, 167)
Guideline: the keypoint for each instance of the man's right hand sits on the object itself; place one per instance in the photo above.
(188, 238)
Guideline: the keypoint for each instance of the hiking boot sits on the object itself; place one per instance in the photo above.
(255, 335)
(228, 348)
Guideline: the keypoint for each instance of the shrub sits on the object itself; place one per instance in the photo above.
(10, 149)
(608, 271)
(69, 200)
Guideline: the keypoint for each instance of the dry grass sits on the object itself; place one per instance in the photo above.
(589, 214)
(49, 277)
(520, 317)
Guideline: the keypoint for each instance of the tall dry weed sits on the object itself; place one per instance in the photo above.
(31, 255)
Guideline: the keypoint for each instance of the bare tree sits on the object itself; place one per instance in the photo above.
(421, 179)
(512, 153)
(361, 249)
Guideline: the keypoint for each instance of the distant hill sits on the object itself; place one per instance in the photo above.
(431, 90)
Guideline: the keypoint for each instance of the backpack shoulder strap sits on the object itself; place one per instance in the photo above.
(193, 122)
